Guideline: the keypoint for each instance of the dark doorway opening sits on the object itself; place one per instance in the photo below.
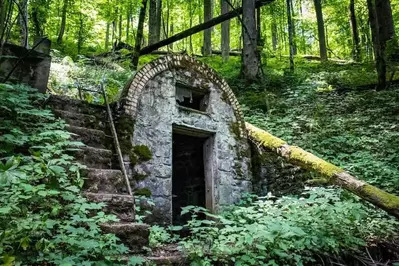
(188, 180)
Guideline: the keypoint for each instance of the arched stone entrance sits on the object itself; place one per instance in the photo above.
(191, 121)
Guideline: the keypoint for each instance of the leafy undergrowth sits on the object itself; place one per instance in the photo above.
(284, 231)
(44, 219)
(355, 129)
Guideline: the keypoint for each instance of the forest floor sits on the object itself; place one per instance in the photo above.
(323, 108)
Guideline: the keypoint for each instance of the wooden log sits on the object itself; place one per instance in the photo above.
(333, 174)
(198, 28)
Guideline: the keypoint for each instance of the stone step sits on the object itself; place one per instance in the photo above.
(168, 254)
(168, 260)
(134, 236)
(120, 205)
(68, 104)
(107, 181)
(95, 157)
(91, 137)
(81, 120)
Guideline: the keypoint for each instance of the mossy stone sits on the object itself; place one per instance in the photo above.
(143, 192)
(143, 152)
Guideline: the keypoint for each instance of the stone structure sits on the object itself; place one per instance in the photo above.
(191, 122)
(33, 69)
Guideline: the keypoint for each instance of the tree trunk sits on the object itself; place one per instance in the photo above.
(139, 35)
(159, 20)
(274, 29)
(382, 29)
(63, 22)
(208, 15)
(107, 35)
(36, 22)
(23, 23)
(3, 14)
(225, 45)
(320, 29)
(302, 29)
(258, 28)
(355, 32)
(171, 30)
(152, 22)
(120, 28)
(332, 173)
(290, 34)
(250, 61)
(128, 19)
(80, 32)
(293, 27)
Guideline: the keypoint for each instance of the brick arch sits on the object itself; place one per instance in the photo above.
(133, 92)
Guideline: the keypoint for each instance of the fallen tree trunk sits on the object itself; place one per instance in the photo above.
(333, 174)
(200, 27)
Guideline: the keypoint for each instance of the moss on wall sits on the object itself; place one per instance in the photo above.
(143, 152)
(235, 129)
(143, 192)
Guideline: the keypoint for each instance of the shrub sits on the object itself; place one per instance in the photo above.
(286, 231)
(43, 216)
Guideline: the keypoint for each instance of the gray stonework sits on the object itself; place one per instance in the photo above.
(32, 70)
(157, 113)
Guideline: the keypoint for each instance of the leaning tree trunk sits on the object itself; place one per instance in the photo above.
(63, 22)
(250, 60)
(290, 34)
(355, 32)
(208, 15)
(332, 173)
(139, 35)
(320, 30)
(225, 45)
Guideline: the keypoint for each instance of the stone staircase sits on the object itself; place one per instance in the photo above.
(104, 179)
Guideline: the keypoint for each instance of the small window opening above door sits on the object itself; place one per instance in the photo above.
(192, 98)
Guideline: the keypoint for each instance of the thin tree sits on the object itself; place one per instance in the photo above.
(290, 34)
(274, 28)
(23, 22)
(63, 21)
(208, 15)
(3, 15)
(152, 22)
(158, 20)
(225, 45)
(321, 30)
(107, 30)
(139, 35)
(355, 32)
(293, 27)
(250, 68)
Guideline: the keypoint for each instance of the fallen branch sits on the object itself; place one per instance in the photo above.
(334, 174)
(199, 28)
(231, 53)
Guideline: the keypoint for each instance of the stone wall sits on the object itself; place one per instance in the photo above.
(272, 174)
(155, 114)
(33, 69)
